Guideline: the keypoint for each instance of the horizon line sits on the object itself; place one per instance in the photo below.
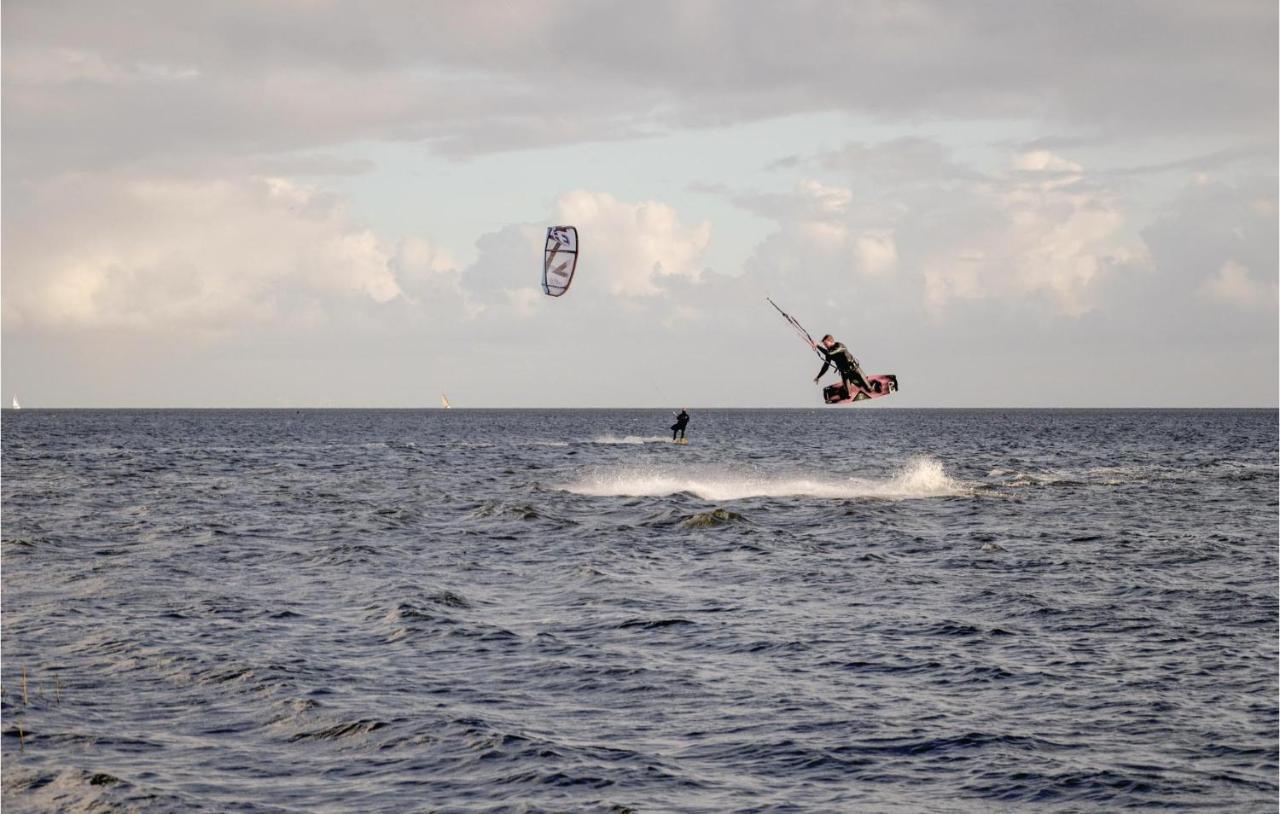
(662, 407)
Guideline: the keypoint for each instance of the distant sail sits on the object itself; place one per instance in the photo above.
(16, 405)
(444, 401)
(559, 259)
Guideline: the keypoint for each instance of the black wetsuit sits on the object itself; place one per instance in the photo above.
(848, 366)
(682, 421)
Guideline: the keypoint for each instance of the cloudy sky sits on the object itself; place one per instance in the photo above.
(343, 204)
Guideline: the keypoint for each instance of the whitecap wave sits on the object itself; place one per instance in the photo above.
(921, 478)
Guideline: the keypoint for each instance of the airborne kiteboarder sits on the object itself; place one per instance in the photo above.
(854, 384)
(835, 353)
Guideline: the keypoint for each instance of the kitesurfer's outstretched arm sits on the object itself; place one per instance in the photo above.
(826, 363)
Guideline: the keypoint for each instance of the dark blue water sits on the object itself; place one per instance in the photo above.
(827, 610)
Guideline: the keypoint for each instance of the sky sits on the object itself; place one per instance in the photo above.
(342, 204)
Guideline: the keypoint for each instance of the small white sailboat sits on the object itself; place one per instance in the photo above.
(16, 405)
(444, 401)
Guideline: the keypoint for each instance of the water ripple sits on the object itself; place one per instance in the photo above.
(880, 610)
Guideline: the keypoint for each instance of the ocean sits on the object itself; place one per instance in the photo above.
(559, 610)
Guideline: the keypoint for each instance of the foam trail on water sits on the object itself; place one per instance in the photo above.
(921, 478)
(630, 439)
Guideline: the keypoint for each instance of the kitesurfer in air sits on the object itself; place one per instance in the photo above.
(682, 421)
(835, 353)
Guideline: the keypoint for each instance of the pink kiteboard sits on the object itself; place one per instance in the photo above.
(881, 385)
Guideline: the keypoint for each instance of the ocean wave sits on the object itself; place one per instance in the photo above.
(716, 517)
(460, 615)
(921, 478)
(73, 789)
(1121, 475)
(340, 730)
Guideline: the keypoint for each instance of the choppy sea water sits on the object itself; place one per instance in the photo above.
(810, 610)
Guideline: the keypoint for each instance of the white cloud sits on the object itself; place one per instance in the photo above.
(193, 254)
(876, 252)
(633, 246)
(1217, 242)
(1044, 161)
(825, 242)
(524, 301)
(1047, 170)
(823, 235)
(1235, 286)
(1056, 242)
(416, 256)
(830, 200)
(948, 231)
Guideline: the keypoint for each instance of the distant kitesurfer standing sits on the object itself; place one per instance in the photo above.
(682, 421)
(835, 353)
